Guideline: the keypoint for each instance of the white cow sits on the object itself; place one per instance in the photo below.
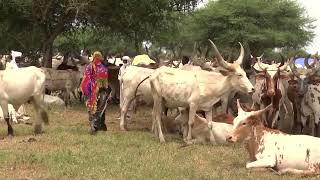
(130, 79)
(269, 148)
(131, 87)
(196, 90)
(19, 86)
(214, 132)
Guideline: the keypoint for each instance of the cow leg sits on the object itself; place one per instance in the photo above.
(299, 172)
(192, 113)
(289, 115)
(262, 163)
(312, 125)
(297, 126)
(123, 114)
(4, 107)
(40, 115)
(306, 123)
(275, 115)
(264, 115)
(317, 125)
(157, 114)
(10, 129)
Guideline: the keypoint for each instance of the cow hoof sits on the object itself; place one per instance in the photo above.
(93, 131)
(123, 129)
(38, 129)
(10, 136)
(162, 140)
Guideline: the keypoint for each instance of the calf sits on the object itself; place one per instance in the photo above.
(268, 148)
(214, 132)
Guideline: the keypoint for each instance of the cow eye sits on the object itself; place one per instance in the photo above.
(240, 75)
(243, 124)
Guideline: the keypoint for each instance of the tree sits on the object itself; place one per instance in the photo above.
(138, 20)
(258, 24)
(40, 22)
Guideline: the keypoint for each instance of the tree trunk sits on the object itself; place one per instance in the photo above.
(47, 55)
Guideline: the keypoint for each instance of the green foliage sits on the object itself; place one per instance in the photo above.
(258, 24)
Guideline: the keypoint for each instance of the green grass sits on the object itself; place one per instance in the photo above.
(67, 151)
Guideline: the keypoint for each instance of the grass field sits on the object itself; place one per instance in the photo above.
(66, 151)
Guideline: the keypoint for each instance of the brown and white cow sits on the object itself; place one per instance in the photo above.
(269, 148)
(297, 93)
(271, 87)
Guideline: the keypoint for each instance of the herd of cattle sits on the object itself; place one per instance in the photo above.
(273, 102)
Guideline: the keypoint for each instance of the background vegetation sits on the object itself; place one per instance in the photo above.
(120, 26)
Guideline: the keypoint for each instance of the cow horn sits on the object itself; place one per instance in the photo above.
(257, 113)
(306, 63)
(261, 66)
(239, 106)
(220, 59)
(293, 67)
(241, 56)
(284, 66)
(315, 68)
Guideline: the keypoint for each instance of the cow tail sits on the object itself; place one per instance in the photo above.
(135, 92)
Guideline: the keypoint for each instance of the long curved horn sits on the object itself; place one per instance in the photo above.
(257, 113)
(306, 63)
(283, 67)
(293, 67)
(261, 66)
(220, 59)
(241, 56)
(239, 106)
(315, 68)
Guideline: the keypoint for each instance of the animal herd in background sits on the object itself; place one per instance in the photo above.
(281, 99)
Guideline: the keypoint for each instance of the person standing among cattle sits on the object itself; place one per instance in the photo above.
(126, 63)
(95, 88)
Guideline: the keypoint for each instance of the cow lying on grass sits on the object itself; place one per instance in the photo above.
(214, 132)
(268, 148)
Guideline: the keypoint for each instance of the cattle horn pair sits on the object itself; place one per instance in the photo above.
(255, 113)
(220, 59)
(283, 66)
(293, 67)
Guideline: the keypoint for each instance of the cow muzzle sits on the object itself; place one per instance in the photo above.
(230, 139)
(271, 93)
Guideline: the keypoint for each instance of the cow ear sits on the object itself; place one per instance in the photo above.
(224, 72)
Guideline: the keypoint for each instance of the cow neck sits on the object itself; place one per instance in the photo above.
(226, 86)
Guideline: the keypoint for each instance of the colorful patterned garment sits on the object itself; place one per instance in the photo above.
(95, 76)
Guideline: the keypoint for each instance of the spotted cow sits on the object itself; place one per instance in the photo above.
(273, 149)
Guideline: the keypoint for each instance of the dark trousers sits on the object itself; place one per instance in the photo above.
(97, 119)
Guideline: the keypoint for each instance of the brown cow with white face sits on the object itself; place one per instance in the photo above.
(268, 148)
(271, 87)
